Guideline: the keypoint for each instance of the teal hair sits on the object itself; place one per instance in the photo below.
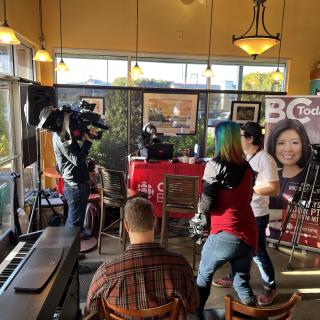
(228, 142)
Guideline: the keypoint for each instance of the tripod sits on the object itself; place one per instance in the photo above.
(301, 201)
(37, 202)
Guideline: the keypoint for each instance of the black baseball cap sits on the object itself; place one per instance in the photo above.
(253, 129)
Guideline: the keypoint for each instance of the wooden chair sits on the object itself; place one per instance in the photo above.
(114, 193)
(238, 311)
(92, 316)
(173, 310)
(180, 195)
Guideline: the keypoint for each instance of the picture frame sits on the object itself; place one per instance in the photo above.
(99, 101)
(244, 111)
(171, 113)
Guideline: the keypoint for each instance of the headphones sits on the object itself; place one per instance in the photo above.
(148, 128)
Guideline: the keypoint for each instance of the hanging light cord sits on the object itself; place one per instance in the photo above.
(60, 30)
(137, 32)
(41, 29)
(281, 31)
(209, 50)
(5, 13)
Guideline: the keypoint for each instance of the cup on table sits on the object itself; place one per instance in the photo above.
(192, 160)
(185, 159)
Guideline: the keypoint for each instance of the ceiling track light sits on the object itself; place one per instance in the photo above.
(7, 35)
(278, 75)
(61, 66)
(42, 55)
(208, 72)
(256, 43)
(136, 71)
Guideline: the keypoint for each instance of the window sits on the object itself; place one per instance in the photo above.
(258, 78)
(23, 62)
(102, 71)
(5, 122)
(226, 77)
(6, 162)
(171, 74)
(91, 69)
(6, 62)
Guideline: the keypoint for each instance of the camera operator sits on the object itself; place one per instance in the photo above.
(72, 164)
(147, 138)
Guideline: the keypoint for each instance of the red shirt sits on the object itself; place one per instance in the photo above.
(233, 213)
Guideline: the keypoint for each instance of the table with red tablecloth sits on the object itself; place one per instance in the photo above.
(148, 177)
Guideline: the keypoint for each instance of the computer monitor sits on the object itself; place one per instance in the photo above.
(160, 151)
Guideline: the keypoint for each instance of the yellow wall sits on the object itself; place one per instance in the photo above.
(110, 25)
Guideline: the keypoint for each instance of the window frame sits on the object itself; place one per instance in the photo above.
(175, 58)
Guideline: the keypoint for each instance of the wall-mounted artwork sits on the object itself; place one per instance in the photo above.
(171, 113)
(98, 101)
(243, 111)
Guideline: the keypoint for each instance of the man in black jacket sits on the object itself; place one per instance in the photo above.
(71, 159)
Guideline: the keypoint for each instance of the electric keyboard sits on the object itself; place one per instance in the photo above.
(60, 295)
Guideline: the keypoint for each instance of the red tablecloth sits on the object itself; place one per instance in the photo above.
(148, 177)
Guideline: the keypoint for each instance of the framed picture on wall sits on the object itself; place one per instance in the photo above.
(243, 111)
(171, 113)
(98, 101)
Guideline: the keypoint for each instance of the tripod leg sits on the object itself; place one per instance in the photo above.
(33, 212)
(285, 224)
(49, 203)
(295, 237)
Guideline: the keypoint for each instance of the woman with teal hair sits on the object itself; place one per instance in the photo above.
(226, 196)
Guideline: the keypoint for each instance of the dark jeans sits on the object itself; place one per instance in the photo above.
(77, 200)
(217, 250)
(262, 259)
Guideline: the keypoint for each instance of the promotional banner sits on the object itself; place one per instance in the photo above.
(292, 138)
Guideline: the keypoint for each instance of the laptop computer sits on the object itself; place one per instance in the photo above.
(160, 151)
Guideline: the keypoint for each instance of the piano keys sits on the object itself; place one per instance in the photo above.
(62, 290)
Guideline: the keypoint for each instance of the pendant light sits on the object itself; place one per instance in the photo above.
(208, 72)
(61, 66)
(256, 43)
(7, 35)
(136, 71)
(42, 54)
(278, 75)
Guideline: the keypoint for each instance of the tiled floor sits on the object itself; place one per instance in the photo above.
(305, 277)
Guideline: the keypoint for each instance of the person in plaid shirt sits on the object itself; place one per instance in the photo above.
(145, 275)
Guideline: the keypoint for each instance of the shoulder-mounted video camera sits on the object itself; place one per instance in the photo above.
(66, 121)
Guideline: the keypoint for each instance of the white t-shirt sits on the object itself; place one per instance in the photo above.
(265, 166)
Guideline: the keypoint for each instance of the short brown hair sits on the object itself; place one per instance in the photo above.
(138, 213)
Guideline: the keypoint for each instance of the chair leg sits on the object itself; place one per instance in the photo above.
(122, 230)
(194, 252)
(124, 240)
(102, 218)
(164, 229)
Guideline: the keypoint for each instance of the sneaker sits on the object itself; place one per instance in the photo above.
(267, 297)
(225, 282)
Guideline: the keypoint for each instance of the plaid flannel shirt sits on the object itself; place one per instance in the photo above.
(144, 276)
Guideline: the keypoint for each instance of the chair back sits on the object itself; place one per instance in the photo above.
(113, 184)
(181, 192)
(235, 309)
(170, 311)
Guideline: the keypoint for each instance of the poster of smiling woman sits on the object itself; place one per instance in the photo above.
(292, 138)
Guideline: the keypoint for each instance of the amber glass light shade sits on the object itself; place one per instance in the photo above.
(208, 73)
(256, 45)
(277, 75)
(42, 55)
(7, 36)
(136, 71)
(61, 66)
